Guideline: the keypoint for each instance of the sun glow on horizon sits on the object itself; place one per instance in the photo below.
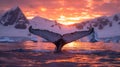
(73, 20)
(69, 20)
(65, 15)
(43, 9)
(66, 12)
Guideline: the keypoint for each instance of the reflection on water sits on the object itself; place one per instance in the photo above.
(92, 46)
(73, 46)
(76, 54)
(39, 46)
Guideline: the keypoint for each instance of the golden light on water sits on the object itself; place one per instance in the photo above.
(77, 45)
(72, 44)
(74, 58)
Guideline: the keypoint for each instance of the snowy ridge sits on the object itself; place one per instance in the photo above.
(15, 17)
(106, 28)
(14, 23)
(45, 24)
(11, 31)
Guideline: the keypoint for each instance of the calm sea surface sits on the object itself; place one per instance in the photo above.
(75, 54)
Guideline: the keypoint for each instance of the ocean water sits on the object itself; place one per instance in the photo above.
(75, 54)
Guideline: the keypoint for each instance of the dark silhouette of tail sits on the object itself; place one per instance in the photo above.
(60, 40)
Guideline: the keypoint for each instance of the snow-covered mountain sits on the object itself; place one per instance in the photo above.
(106, 28)
(13, 23)
(14, 17)
(54, 26)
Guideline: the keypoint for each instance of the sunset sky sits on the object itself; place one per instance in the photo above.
(64, 11)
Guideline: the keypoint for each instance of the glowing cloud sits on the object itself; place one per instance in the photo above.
(64, 11)
(43, 9)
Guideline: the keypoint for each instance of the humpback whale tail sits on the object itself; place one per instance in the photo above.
(60, 40)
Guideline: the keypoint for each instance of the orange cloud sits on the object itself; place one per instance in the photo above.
(43, 9)
(65, 11)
